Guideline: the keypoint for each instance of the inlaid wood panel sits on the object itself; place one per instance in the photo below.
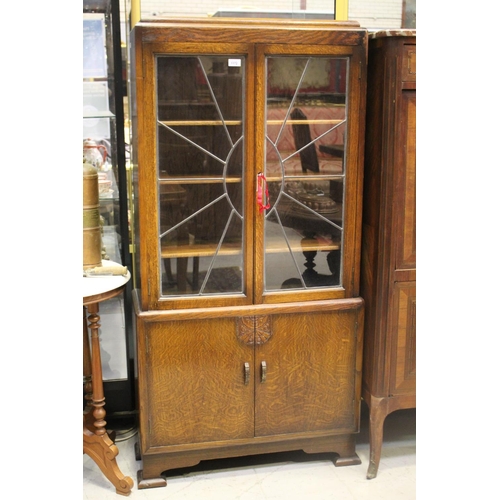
(405, 191)
(409, 66)
(404, 330)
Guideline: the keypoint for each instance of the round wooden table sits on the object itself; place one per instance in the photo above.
(96, 442)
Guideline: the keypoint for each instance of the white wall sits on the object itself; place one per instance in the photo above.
(204, 7)
(376, 14)
(369, 13)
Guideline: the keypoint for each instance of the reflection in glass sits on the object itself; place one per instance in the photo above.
(200, 141)
(305, 142)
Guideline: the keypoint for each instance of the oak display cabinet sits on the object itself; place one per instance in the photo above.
(248, 157)
(388, 278)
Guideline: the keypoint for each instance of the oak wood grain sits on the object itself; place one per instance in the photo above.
(252, 372)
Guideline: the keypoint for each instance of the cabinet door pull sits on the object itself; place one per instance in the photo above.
(247, 373)
(263, 372)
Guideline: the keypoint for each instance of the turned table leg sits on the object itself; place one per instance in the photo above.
(96, 442)
(87, 375)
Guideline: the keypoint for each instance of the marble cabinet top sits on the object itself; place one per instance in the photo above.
(392, 32)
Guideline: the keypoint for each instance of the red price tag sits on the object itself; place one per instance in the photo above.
(262, 192)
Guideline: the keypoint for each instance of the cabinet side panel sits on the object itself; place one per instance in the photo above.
(376, 199)
(135, 89)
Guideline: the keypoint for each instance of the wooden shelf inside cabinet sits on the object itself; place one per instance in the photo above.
(198, 123)
(235, 180)
(305, 177)
(305, 122)
(210, 249)
(195, 180)
(169, 251)
(305, 245)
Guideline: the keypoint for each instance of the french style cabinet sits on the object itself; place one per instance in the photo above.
(248, 157)
(388, 279)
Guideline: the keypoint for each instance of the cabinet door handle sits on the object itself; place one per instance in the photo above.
(263, 372)
(246, 368)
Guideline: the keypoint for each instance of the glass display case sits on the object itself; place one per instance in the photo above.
(103, 144)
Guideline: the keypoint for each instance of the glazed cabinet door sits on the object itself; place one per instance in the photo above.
(249, 172)
(308, 373)
(309, 179)
(197, 382)
(196, 223)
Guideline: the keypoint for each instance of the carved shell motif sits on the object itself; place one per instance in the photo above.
(253, 330)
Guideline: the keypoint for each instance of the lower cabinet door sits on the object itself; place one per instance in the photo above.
(199, 383)
(221, 379)
(307, 374)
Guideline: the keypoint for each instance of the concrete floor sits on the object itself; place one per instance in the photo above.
(282, 476)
